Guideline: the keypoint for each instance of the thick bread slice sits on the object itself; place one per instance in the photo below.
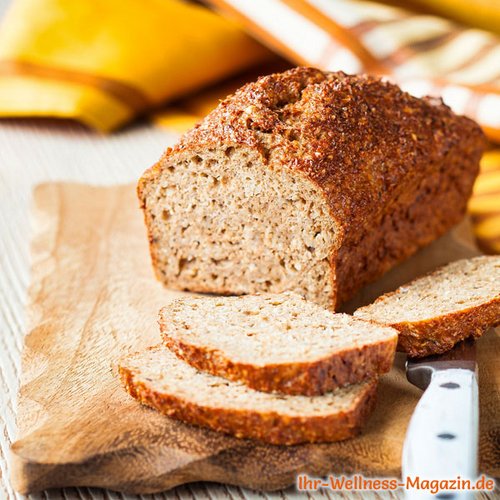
(276, 342)
(434, 312)
(158, 378)
(307, 181)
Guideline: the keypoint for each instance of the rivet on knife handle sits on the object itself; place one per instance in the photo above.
(441, 441)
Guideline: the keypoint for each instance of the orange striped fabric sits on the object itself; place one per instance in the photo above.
(426, 55)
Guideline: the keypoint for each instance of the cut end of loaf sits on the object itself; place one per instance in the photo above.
(157, 378)
(222, 221)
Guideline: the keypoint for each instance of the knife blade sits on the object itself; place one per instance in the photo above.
(442, 437)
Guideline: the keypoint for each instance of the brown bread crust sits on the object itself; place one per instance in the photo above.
(396, 171)
(309, 379)
(440, 334)
(268, 427)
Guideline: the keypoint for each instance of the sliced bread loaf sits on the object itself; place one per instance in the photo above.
(158, 378)
(434, 312)
(276, 342)
(309, 181)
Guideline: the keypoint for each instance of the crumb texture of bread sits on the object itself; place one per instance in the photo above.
(277, 342)
(307, 181)
(157, 378)
(442, 308)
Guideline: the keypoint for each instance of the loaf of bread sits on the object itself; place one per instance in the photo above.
(277, 342)
(436, 311)
(157, 378)
(308, 181)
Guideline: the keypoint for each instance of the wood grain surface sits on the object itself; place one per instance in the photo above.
(93, 298)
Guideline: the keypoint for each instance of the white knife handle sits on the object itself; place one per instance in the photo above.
(442, 438)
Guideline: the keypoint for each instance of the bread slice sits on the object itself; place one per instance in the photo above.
(158, 378)
(308, 181)
(434, 312)
(276, 342)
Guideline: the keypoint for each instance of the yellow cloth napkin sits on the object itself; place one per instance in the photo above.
(191, 109)
(484, 205)
(484, 14)
(104, 62)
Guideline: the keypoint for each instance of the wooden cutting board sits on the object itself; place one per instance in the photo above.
(93, 299)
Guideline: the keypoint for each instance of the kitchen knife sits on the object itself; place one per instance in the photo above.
(442, 438)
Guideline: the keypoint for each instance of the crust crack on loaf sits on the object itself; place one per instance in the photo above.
(307, 181)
